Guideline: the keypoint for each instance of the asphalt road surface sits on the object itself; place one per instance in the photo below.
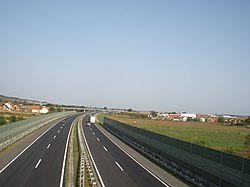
(116, 168)
(41, 163)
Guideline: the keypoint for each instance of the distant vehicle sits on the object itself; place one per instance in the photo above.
(91, 119)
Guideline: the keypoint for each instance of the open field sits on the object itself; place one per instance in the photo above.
(221, 137)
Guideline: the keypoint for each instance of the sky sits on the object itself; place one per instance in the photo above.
(161, 55)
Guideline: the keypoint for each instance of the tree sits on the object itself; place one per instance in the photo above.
(59, 109)
(2, 120)
(247, 141)
(247, 121)
(12, 119)
(105, 108)
(153, 114)
(51, 109)
(221, 120)
(130, 110)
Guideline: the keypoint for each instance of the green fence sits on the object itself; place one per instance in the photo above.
(200, 165)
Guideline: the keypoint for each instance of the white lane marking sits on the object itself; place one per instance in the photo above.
(90, 129)
(105, 149)
(48, 146)
(135, 159)
(98, 139)
(93, 133)
(65, 154)
(54, 137)
(58, 131)
(7, 165)
(119, 166)
(38, 163)
(61, 127)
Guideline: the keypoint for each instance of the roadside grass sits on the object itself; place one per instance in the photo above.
(220, 137)
(76, 154)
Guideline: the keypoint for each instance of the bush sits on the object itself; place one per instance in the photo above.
(12, 119)
(221, 120)
(2, 120)
(247, 141)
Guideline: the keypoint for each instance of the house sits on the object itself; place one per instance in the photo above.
(8, 106)
(39, 109)
(174, 115)
(17, 107)
(212, 119)
(35, 109)
(44, 110)
(202, 119)
(185, 115)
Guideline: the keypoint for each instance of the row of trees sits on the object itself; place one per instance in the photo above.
(11, 119)
(241, 123)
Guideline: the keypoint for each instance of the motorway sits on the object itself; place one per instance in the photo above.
(40, 164)
(115, 167)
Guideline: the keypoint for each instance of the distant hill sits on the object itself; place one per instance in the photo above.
(17, 100)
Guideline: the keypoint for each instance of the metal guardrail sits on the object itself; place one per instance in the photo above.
(12, 132)
(86, 162)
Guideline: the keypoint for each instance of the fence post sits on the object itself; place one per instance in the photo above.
(220, 168)
(243, 168)
(204, 162)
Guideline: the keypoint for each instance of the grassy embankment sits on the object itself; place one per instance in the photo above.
(220, 137)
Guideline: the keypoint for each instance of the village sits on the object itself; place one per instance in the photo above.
(9, 106)
(209, 118)
(11, 112)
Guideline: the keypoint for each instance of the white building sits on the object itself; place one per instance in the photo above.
(202, 119)
(185, 115)
(44, 110)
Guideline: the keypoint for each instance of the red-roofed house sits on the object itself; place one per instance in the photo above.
(35, 109)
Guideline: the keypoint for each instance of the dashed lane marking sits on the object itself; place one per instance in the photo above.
(119, 166)
(105, 148)
(39, 161)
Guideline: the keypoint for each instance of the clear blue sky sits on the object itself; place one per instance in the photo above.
(163, 55)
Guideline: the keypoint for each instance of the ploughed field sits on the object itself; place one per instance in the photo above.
(217, 136)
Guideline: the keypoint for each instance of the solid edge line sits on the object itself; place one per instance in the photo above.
(7, 165)
(65, 154)
(160, 180)
(97, 171)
